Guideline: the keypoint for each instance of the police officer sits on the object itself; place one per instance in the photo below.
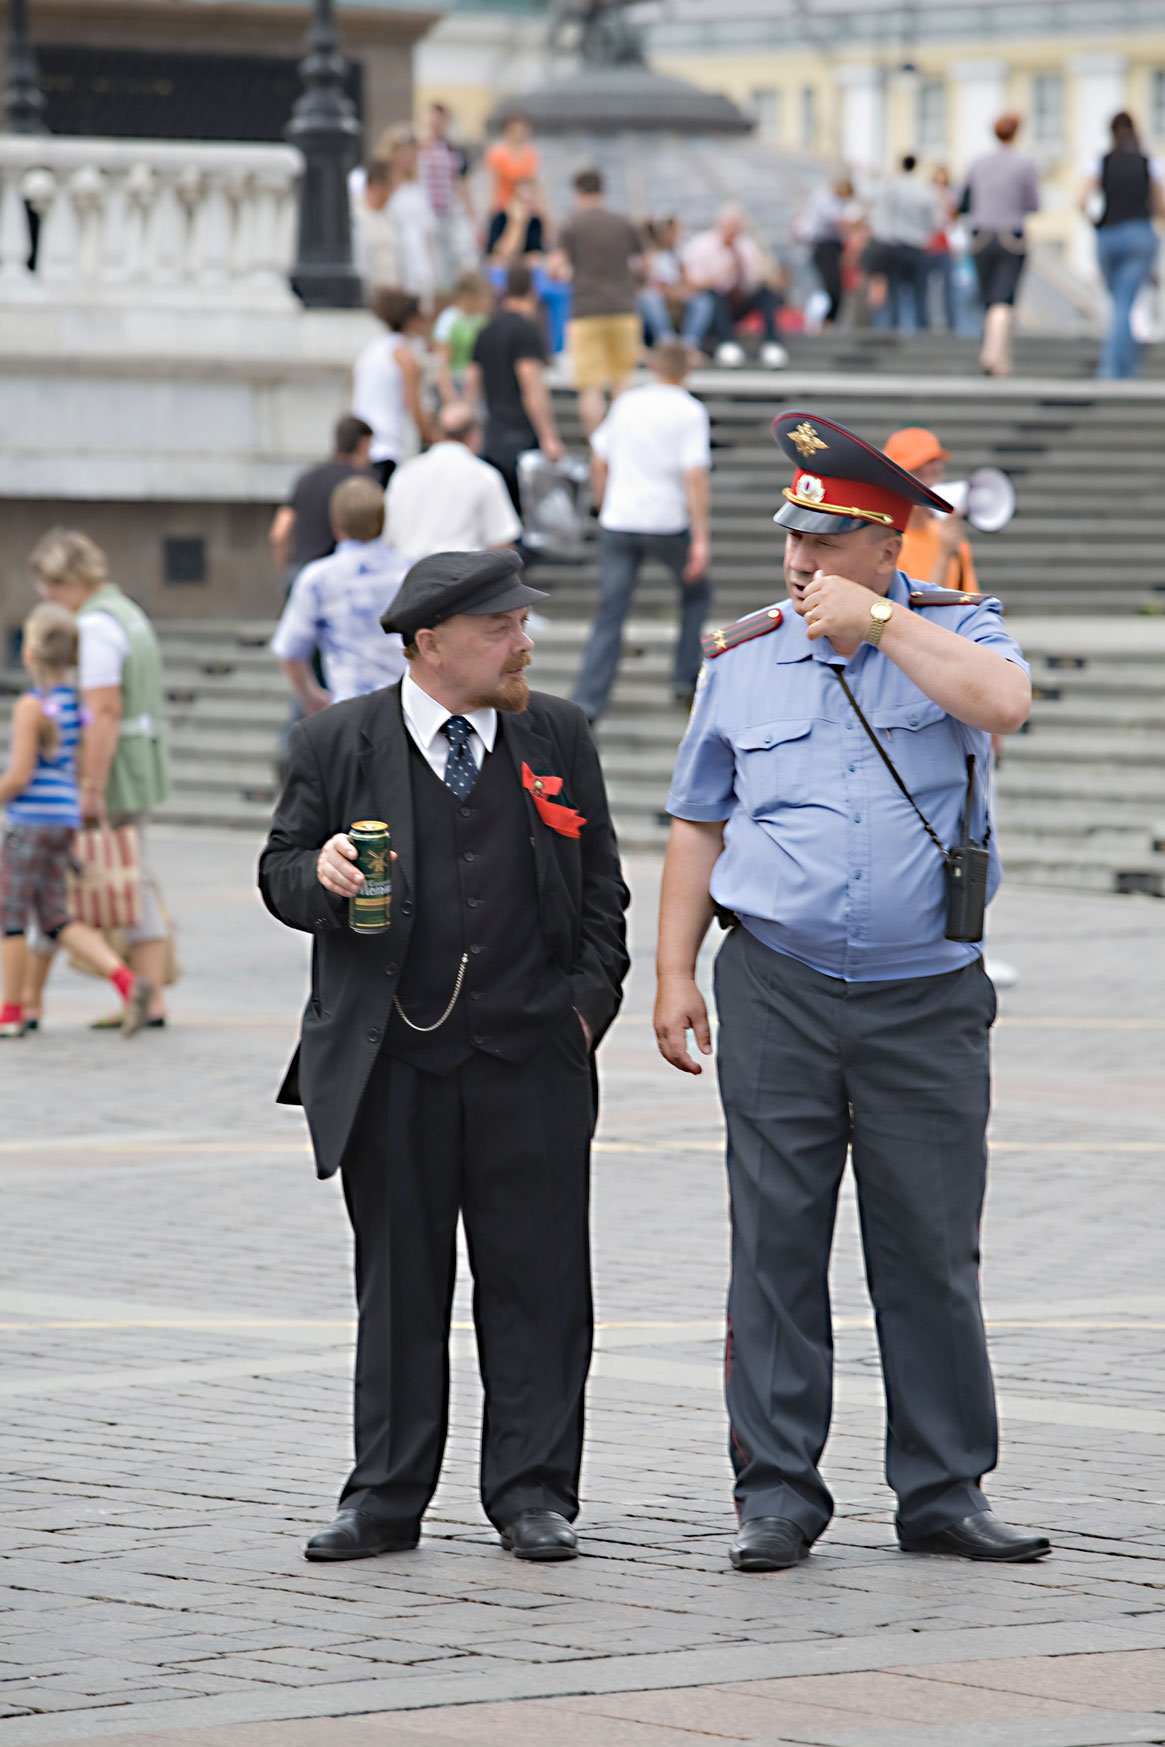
(848, 1019)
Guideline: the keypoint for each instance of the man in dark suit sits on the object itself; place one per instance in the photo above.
(446, 1065)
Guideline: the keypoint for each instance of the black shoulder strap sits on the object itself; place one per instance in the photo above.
(886, 760)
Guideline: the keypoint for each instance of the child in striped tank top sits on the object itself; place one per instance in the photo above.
(43, 814)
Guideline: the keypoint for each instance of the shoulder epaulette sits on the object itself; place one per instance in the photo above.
(743, 630)
(943, 597)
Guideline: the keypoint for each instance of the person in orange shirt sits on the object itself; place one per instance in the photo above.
(935, 548)
(511, 160)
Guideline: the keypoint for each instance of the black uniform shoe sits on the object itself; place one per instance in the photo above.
(540, 1534)
(768, 1543)
(981, 1536)
(356, 1535)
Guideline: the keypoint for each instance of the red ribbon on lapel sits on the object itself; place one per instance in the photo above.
(567, 821)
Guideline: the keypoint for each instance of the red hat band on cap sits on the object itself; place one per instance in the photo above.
(849, 497)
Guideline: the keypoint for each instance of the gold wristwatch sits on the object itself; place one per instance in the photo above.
(880, 612)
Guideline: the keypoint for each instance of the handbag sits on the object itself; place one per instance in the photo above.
(105, 877)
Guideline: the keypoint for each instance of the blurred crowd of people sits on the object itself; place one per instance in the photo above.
(919, 250)
(911, 251)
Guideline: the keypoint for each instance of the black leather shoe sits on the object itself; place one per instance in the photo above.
(540, 1534)
(356, 1535)
(768, 1543)
(981, 1536)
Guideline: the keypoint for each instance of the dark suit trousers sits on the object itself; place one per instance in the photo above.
(508, 1147)
(810, 1065)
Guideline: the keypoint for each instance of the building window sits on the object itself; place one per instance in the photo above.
(184, 559)
(808, 118)
(1157, 103)
(766, 106)
(931, 116)
(1048, 109)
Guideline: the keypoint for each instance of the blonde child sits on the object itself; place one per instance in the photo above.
(40, 790)
(455, 332)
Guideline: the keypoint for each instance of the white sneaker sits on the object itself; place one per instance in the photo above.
(773, 355)
(730, 355)
(1002, 974)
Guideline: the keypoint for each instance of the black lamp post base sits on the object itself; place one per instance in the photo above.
(327, 286)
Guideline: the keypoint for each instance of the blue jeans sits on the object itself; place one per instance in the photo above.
(908, 282)
(940, 266)
(720, 311)
(1126, 253)
(620, 555)
(656, 317)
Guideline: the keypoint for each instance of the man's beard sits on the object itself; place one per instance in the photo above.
(511, 697)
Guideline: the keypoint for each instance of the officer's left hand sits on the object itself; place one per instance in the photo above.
(837, 608)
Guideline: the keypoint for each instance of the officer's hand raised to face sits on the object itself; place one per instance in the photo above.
(334, 868)
(836, 608)
(680, 1008)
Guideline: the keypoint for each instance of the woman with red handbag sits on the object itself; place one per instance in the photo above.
(43, 813)
(127, 770)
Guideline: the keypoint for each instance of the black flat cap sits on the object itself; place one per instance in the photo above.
(458, 582)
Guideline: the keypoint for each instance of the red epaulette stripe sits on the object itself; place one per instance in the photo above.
(743, 630)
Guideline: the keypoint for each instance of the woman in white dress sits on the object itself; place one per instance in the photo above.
(414, 218)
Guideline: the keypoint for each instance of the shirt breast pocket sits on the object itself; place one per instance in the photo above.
(773, 765)
(923, 743)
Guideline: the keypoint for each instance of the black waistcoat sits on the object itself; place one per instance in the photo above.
(476, 893)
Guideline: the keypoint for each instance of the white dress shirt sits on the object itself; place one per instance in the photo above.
(448, 500)
(425, 717)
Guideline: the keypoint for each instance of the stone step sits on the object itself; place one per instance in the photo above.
(1113, 707)
(1031, 861)
(1041, 745)
(1043, 815)
(1075, 781)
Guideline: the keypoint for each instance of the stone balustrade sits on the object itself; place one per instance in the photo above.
(146, 222)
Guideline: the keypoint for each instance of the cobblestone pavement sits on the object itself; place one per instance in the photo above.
(176, 1329)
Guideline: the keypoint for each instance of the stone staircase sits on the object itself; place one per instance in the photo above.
(1081, 571)
(1089, 529)
(1081, 792)
(939, 354)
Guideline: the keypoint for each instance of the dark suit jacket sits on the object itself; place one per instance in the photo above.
(351, 762)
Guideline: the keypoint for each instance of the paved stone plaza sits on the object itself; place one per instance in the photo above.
(177, 1327)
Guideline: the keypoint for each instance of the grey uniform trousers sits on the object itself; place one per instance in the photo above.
(899, 1071)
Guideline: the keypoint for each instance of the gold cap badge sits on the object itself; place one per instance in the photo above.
(807, 441)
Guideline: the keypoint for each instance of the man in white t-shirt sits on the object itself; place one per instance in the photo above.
(448, 500)
(651, 456)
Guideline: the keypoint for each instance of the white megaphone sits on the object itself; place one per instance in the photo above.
(986, 497)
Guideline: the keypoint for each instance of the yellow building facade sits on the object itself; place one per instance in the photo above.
(941, 103)
(864, 100)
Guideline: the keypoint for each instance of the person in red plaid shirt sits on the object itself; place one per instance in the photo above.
(443, 173)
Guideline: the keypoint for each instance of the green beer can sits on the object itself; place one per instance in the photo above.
(370, 908)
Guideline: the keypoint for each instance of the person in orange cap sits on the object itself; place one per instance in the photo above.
(935, 548)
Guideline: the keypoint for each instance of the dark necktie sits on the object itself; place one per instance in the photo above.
(460, 767)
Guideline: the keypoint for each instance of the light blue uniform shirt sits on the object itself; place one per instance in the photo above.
(824, 858)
